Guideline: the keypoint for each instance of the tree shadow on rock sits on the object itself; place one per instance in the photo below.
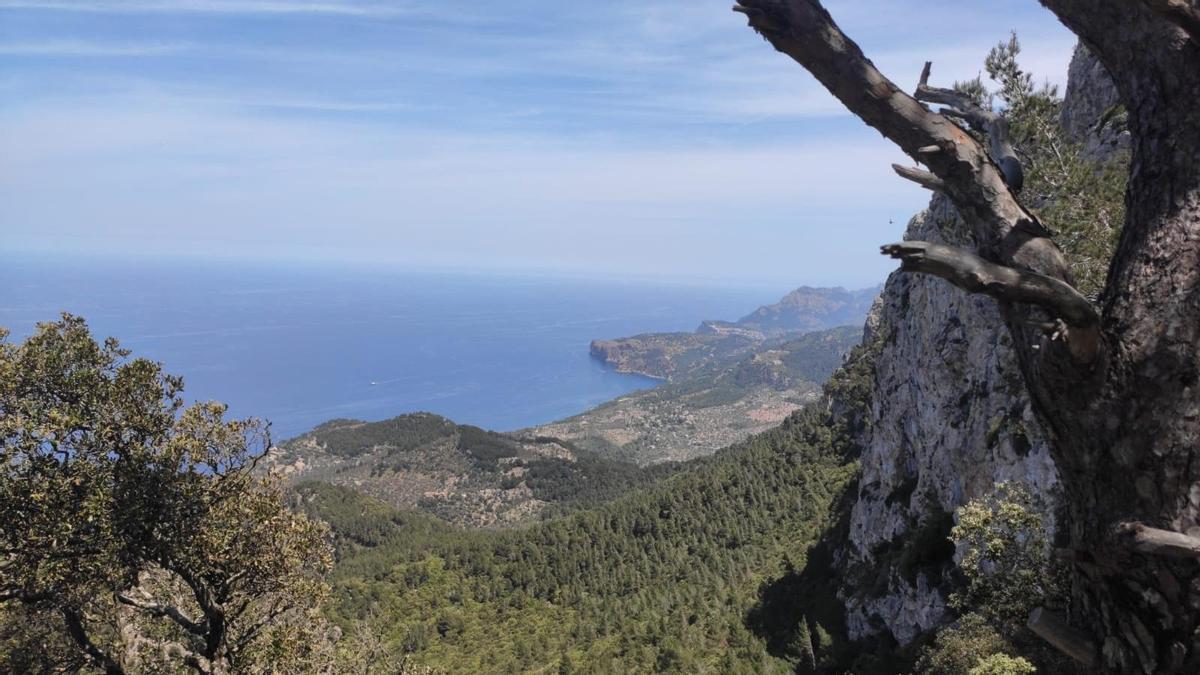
(803, 621)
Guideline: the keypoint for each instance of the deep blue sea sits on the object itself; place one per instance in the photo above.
(302, 344)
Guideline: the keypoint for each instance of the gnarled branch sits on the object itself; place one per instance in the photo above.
(961, 106)
(78, 632)
(1183, 13)
(160, 610)
(803, 30)
(976, 275)
(1005, 231)
(1053, 629)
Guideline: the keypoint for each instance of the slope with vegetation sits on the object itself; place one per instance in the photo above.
(460, 473)
(661, 579)
(711, 402)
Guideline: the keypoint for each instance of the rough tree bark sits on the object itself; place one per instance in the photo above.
(1117, 386)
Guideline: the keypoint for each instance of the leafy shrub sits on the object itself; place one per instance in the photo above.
(1003, 664)
(959, 648)
(1005, 562)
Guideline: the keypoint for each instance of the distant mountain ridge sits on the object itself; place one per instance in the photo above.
(670, 356)
(808, 308)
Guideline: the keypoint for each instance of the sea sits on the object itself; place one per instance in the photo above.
(298, 344)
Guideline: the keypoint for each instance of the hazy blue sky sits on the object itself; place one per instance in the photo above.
(614, 136)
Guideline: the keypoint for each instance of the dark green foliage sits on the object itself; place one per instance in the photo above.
(361, 521)
(961, 646)
(350, 438)
(815, 356)
(1082, 201)
(487, 448)
(590, 479)
(116, 501)
(792, 607)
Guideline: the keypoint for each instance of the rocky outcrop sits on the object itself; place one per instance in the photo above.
(949, 416)
(668, 356)
(717, 395)
(1092, 113)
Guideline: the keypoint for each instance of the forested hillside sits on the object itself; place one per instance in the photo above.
(460, 473)
(668, 578)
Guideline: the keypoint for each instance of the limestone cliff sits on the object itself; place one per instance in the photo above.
(949, 415)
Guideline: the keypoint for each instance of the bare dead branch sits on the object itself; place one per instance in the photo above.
(964, 269)
(980, 119)
(803, 30)
(1145, 539)
(923, 178)
(758, 18)
(1055, 630)
(1183, 13)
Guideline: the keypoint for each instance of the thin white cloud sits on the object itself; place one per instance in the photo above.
(664, 134)
(74, 48)
(347, 8)
(220, 181)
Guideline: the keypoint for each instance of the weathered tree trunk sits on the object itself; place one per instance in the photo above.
(1129, 452)
(1120, 391)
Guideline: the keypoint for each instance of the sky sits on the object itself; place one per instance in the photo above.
(650, 138)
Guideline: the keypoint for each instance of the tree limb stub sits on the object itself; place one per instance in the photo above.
(804, 31)
(976, 275)
(1183, 13)
(922, 178)
(1145, 539)
(1053, 629)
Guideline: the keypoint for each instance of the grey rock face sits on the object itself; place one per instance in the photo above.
(950, 415)
(1091, 112)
